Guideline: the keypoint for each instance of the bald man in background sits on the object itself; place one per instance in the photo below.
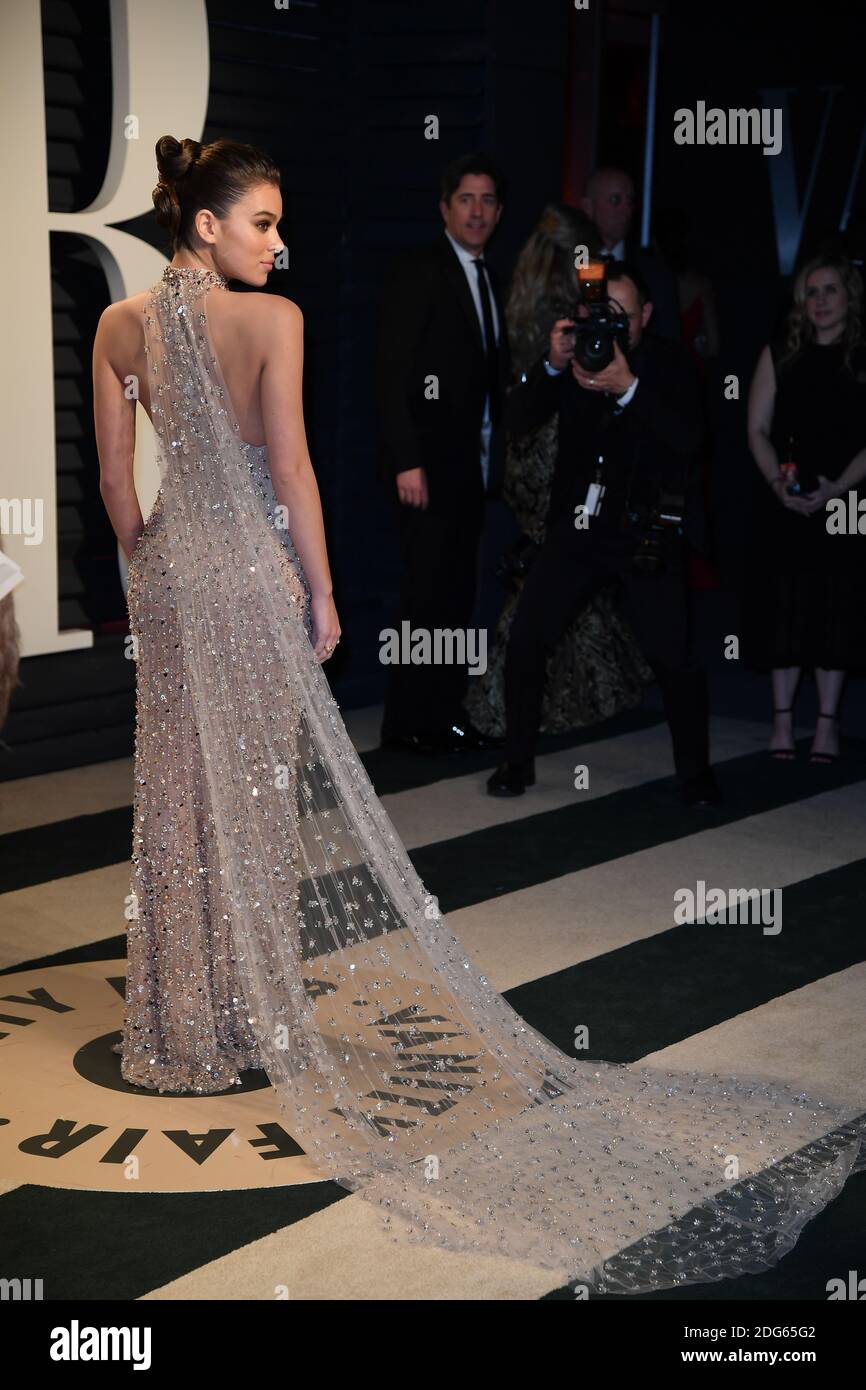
(611, 202)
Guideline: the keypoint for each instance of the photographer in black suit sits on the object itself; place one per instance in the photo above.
(632, 429)
(442, 373)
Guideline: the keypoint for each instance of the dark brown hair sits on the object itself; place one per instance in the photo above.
(193, 176)
(476, 163)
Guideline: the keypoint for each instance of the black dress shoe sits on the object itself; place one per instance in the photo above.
(512, 779)
(702, 790)
(413, 743)
(459, 738)
(465, 735)
(443, 742)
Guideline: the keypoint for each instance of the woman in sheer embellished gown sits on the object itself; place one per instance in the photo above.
(279, 921)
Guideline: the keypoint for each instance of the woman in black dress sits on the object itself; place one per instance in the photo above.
(807, 407)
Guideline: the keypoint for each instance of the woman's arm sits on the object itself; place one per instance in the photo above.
(288, 456)
(292, 473)
(853, 474)
(114, 420)
(837, 487)
(762, 399)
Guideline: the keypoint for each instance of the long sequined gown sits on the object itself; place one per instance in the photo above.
(186, 1021)
(279, 922)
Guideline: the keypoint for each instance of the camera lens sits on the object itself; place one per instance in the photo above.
(594, 353)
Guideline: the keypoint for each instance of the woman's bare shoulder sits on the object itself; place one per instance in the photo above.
(123, 310)
(267, 309)
(261, 320)
(119, 327)
(256, 319)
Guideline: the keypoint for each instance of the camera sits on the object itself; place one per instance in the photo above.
(659, 524)
(605, 324)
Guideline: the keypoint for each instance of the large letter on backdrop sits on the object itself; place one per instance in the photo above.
(789, 210)
(159, 54)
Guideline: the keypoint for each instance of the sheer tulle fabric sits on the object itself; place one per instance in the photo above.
(404, 1075)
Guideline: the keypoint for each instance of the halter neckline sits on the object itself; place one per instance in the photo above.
(200, 274)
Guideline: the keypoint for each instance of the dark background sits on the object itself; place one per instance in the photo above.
(338, 92)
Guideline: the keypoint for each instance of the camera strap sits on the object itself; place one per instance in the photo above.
(596, 490)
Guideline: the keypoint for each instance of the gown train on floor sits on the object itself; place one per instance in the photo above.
(280, 923)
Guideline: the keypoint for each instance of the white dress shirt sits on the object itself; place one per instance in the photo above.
(467, 260)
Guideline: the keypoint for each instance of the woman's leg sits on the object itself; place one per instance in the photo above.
(785, 681)
(827, 730)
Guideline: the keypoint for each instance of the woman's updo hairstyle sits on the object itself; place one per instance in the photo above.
(193, 176)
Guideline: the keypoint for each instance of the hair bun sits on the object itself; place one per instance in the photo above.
(167, 207)
(174, 158)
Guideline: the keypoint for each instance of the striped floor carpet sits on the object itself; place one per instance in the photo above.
(567, 899)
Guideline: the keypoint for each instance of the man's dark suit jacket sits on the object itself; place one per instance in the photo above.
(663, 288)
(429, 328)
(650, 443)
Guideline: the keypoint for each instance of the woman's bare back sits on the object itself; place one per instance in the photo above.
(258, 343)
(237, 326)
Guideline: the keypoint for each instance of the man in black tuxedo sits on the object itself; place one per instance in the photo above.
(610, 202)
(442, 372)
(634, 430)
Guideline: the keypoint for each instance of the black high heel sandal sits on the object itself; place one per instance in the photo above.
(787, 753)
(826, 758)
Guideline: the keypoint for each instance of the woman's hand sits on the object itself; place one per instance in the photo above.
(818, 499)
(793, 501)
(326, 626)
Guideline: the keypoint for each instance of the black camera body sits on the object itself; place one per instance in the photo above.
(604, 324)
(659, 525)
(595, 336)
